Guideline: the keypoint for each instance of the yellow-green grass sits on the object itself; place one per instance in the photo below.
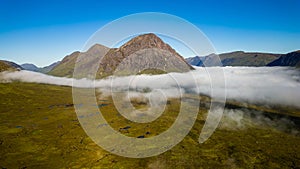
(39, 129)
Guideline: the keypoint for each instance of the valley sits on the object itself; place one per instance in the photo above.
(40, 129)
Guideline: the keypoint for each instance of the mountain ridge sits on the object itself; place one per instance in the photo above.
(34, 68)
(241, 58)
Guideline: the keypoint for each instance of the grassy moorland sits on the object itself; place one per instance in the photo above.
(39, 129)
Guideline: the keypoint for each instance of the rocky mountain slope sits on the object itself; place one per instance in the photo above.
(143, 54)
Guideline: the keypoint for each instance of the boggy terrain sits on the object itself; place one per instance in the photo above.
(39, 129)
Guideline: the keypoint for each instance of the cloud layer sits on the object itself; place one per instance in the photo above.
(259, 85)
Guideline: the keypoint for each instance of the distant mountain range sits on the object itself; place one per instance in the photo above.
(240, 58)
(196, 61)
(148, 51)
(34, 68)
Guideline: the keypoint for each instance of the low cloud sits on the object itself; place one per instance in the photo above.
(259, 85)
(239, 119)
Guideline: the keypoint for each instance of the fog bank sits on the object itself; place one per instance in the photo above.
(259, 85)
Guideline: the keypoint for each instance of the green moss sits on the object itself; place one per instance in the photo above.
(152, 71)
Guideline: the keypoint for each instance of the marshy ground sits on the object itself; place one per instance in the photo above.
(39, 129)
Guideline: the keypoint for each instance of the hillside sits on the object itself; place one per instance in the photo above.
(290, 59)
(247, 59)
(9, 66)
(66, 66)
(48, 68)
(34, 68)
(144, 51)
(88, 61)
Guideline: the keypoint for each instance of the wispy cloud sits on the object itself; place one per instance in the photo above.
(243, 119)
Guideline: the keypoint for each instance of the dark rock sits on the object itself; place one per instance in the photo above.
(102, 105)
(127, 127)
(69, 105)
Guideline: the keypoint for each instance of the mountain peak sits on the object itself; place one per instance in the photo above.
(144, 41)
(145, 37)
(96, 47)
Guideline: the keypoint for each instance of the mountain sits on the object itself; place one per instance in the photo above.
(34, 68)
(66, 66)
(88, 62)
(237, 58)
(241, 58)
(144, 51)
(195, 61)
(47, 69)
(9, 66)
(29, 66)
(290, 59)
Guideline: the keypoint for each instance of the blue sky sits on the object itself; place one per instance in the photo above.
(42, 32)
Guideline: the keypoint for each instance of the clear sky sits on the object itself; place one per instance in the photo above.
(42, 32)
